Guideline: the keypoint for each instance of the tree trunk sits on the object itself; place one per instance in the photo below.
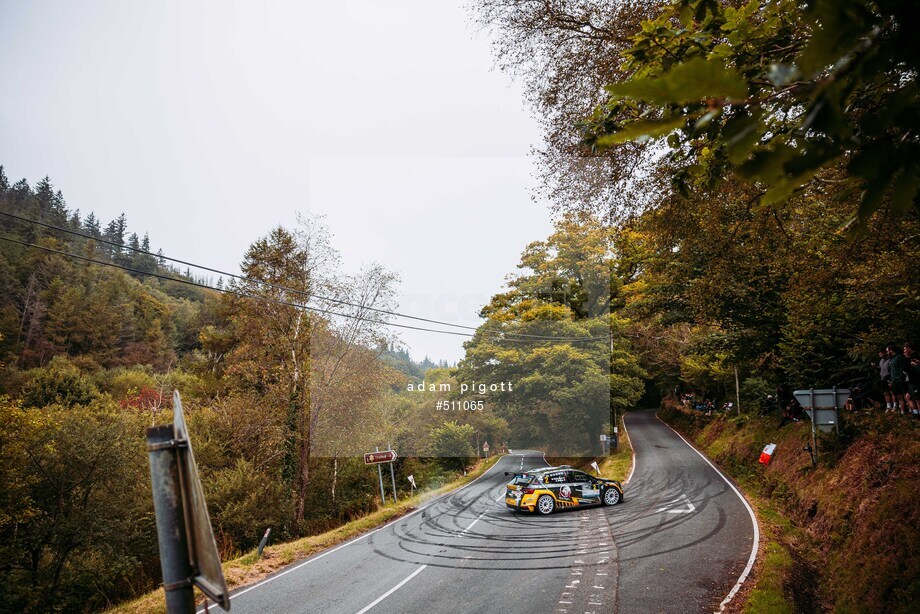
(335, 474)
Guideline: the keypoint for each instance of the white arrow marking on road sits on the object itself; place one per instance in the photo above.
(683, 500)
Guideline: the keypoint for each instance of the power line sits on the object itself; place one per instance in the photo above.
(223, 273)
(268, 299)
(287, 289)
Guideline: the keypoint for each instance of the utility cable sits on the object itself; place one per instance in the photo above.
(301, 306)
(284, 288)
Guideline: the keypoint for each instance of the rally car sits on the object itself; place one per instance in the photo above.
(544, 490)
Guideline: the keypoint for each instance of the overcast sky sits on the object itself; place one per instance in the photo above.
(208, 123)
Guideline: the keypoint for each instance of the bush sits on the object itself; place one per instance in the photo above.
(754, 391)
(453, 441)
(75, 513)
(243, 502)
(60, 383)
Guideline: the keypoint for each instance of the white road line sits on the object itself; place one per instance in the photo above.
(632, 464)
(472, 523)
(753, 557)
(355, 540)
(319, 556)
(392, 590)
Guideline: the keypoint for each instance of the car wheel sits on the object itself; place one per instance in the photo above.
(611, 496)
(546, 504)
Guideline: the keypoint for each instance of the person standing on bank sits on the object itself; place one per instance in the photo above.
(898, 378)
(884, 372)
(913, 377)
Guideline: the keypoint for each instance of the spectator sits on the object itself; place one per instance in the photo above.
(913, 377)
(792, 409)
(898, 378)
(769, 406)
(884, 372)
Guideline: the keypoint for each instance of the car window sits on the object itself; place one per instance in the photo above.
(521, 480)
(580, 476)
(557, 477)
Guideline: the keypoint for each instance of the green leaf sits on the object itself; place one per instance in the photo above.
(786, 187)
(695, 80)
(639, 128)
(905, 190)
(742, 135)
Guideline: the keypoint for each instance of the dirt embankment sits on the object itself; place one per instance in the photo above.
(851, 526)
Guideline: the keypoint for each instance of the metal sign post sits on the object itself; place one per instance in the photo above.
(376, 458)
(171, 533)
(393, 478)
(485, 448)
(383, 497)
(188, 551)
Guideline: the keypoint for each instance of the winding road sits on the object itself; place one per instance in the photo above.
(679, 542)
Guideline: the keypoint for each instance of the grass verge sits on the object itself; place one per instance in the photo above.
(841, 536)
(249, 568)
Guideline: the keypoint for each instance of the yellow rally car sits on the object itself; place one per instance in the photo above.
(544, 490)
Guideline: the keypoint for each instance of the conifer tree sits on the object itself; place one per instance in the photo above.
(91, 225)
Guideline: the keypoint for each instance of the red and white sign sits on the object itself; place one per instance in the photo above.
(767, 455)
(372, 458)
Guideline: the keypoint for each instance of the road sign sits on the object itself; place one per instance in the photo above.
(411, 479)
(205, 560)
(372, 458)
(485, 446)
(603, 437)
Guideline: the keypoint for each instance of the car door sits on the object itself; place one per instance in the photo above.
(585, 488)
(558, 483)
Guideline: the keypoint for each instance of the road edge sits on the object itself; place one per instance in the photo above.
(294, 566)
(756, 546)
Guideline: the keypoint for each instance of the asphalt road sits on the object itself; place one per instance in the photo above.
(677, 543)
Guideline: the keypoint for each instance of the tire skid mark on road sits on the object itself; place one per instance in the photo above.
(756, 544)
(591, 587)
(402, 520)
(506, 542)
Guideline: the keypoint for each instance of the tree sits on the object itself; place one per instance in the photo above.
(115, 233)
(786, 97)
(565, 52)
(60, 383)
(91, 226)
(77, 522)
(298, 361)
(553, 336)
(453, 441)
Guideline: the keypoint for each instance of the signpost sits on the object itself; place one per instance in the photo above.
(393, 476)
(373, 458)
(377, 458)
(412, 486)
(485, 448)
(188, 551)
(823, 407)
